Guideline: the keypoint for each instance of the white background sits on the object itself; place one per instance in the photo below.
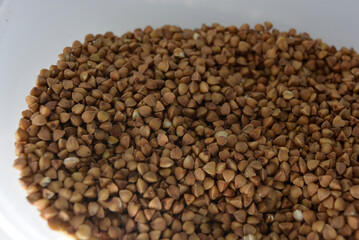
(33, 33)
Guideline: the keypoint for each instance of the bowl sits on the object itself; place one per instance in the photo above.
(33, 33)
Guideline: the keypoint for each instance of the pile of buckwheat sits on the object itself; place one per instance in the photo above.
(213, 133)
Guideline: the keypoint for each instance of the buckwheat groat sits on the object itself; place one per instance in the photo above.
(215, 133)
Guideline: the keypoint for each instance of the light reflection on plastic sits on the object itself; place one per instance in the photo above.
(10, 229)
(13, 232)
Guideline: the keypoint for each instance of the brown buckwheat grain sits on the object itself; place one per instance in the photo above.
(214, 133)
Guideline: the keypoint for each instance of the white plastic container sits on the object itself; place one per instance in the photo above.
(33, 33)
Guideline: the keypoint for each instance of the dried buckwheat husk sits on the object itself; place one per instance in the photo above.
(214, 133)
